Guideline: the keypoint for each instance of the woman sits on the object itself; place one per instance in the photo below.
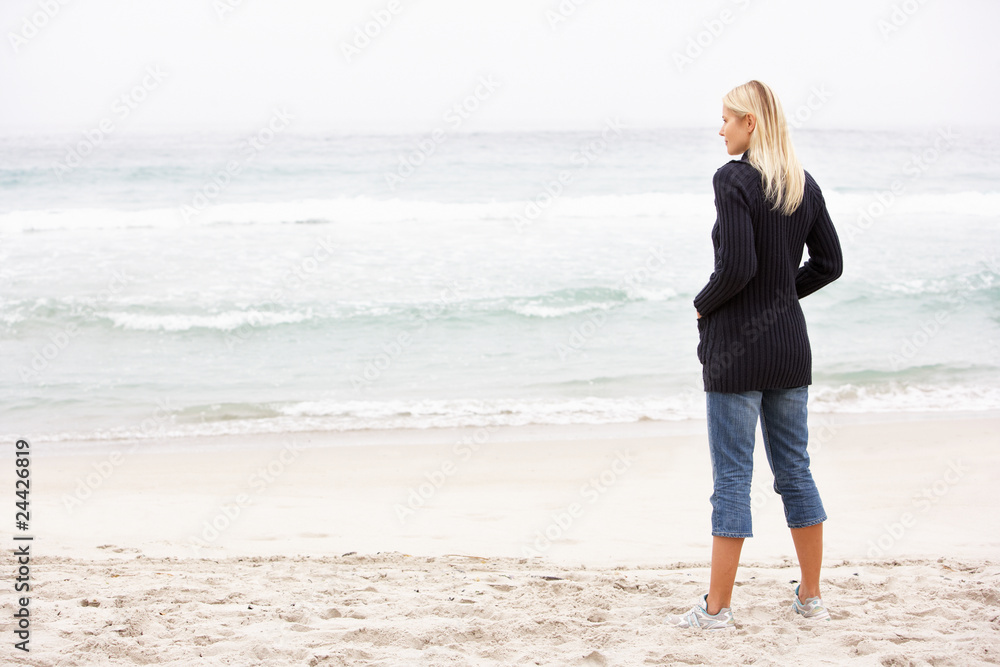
(753, 343)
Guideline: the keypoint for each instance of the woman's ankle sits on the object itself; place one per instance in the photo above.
(714, 609)
(805, 592)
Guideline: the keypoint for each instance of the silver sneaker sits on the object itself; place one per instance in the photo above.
(812, 608)
(700, 619)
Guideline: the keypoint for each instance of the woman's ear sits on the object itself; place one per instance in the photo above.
(751, 122)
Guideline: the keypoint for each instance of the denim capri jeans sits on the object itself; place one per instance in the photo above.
(732, 425)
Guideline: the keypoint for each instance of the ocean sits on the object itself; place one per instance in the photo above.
(279, 281)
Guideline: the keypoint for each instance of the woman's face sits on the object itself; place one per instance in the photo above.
(736, 131)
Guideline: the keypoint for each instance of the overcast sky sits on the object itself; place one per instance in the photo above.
(228, 64)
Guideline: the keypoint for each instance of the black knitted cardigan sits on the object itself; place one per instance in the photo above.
(752, 333)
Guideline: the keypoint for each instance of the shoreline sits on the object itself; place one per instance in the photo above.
(646, 428)
(587, 496)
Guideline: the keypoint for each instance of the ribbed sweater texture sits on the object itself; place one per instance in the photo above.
(752, 333)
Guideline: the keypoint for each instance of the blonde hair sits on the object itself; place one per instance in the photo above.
(771, 150)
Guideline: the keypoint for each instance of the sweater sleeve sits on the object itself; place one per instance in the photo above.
(735, 254)
(826, 261)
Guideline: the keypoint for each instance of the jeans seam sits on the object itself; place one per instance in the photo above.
(806, 524)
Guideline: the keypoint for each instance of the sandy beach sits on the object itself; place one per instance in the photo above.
(377, 334)
(541, 545)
